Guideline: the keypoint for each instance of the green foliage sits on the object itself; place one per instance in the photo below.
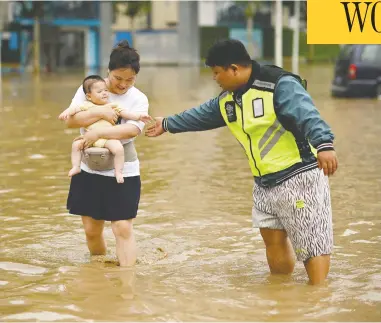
(133, 8)
(209, 35)
(317, 53)
(33, 9)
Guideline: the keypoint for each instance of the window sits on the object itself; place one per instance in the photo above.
(346, 52)
(378, 57)
(371, 54)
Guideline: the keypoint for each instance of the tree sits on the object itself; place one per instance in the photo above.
(250, 8)
(132, 9)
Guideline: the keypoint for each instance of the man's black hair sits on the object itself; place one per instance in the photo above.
(89, 81)
(226, 52)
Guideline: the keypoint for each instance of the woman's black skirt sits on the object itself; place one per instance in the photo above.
(102, 198)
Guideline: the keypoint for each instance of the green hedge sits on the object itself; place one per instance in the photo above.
(314, 53)
(317, 52)
(269, 42)
(208, 35)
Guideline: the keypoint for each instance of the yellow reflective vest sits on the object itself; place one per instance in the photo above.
(269, 147)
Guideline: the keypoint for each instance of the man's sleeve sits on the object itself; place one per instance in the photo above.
(207, 116)
(294, 105)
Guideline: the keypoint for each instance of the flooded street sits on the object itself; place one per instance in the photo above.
(199, 257)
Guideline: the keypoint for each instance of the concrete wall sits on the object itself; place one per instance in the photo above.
(163, 47)
(164, 13)
(157, 47)
(207, 13)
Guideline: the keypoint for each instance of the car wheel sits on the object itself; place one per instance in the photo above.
(378, 91)
(336, 94)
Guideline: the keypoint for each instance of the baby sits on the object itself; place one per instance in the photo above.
(97, 94)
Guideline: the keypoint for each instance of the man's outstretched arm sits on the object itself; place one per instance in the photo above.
(207, 116)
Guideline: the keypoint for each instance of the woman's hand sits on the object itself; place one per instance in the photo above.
(146, 118)
(109, 114)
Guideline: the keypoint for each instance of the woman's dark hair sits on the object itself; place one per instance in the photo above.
(226, 52)
(124, 56)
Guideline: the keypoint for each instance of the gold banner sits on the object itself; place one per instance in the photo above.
(343, 22)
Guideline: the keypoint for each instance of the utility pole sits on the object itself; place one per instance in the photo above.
(188, 33)
(295, 41)
(278, 25)
(105, 33)
(36, 45)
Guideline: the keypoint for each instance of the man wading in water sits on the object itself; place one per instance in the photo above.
(290, 152)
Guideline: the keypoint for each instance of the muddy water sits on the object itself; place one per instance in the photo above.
(199, 258)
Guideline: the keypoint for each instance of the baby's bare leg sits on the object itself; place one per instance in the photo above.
(76, 157)
(116, 148)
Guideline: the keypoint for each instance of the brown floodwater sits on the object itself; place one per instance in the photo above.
(199, 257)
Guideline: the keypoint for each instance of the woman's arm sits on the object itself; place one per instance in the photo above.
(72, 110)
(122, 131)
(137, 109)
(119, 132)
(86, 118)
(144, 117)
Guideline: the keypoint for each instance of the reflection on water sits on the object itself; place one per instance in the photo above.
(199, 258)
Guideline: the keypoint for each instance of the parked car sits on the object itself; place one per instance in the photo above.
(358, 71)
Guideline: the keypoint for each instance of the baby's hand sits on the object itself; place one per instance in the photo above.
(146, 118)
(66, 114)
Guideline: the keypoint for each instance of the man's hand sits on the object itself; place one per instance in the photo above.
(88, 138)
(327, 160)
(156, 128)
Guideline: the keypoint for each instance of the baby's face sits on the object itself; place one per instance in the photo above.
(99, 93)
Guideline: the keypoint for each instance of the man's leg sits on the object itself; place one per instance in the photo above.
(304, 208)
(125, 242)
(94, 235)
(317, 269)
(279, 252)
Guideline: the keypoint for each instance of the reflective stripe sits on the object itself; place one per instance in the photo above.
(268, 146)
(267, 85)
(223, 95)
(165, 124)
(272, 142)
(268, 133)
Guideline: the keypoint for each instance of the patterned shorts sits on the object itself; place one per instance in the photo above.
(302, 207)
